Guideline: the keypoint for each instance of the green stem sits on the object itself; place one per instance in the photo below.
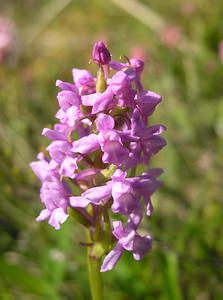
(101, 82)
(94, 274)
(133, 172)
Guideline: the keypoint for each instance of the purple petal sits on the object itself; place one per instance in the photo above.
(67, 99)
(118, 229)
(68, 167)
(73, 114)
(53, 199)
(149, 206)
(104, 122)
(127, 240)
(152, 173)
(86, 144)
(112, 258)
(53, 134)
(141, 246)
(79, 201)
(119, 175)
(155, 130)
(66, 86)
(44, 214)
(89, 100)
(57, 217)
(115, 65)
(136, 216)
(124, 199)
(154, 144)
(119, 83)
(103, 101)
(84, 174)
(61, 115)
(98, 195)
(40, 168)
(137, 64)
(58, 150)
(147, 102)
(82, 77)
(114, 151)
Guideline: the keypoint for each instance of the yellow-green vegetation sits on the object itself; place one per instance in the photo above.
(179, 40)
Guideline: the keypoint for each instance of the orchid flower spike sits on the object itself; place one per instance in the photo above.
(100, 139)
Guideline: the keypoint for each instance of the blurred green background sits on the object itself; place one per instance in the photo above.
(179, 41)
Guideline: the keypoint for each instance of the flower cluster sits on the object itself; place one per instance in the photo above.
(101, 138)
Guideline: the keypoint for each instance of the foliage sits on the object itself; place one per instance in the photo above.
(186, 262)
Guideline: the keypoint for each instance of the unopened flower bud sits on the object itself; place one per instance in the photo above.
(138, 64)
(100, 54)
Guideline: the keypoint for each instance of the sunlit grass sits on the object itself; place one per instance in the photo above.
(186, 262)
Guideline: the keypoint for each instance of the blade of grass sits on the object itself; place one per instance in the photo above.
(152, 20)
(170, 275)
(44, 18)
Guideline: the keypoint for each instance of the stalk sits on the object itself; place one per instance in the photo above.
(94, 263)
(94, 274)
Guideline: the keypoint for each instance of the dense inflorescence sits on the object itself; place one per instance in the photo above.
(102, 136)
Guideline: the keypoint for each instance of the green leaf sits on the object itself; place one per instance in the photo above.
(20, 277)
(170, 276)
